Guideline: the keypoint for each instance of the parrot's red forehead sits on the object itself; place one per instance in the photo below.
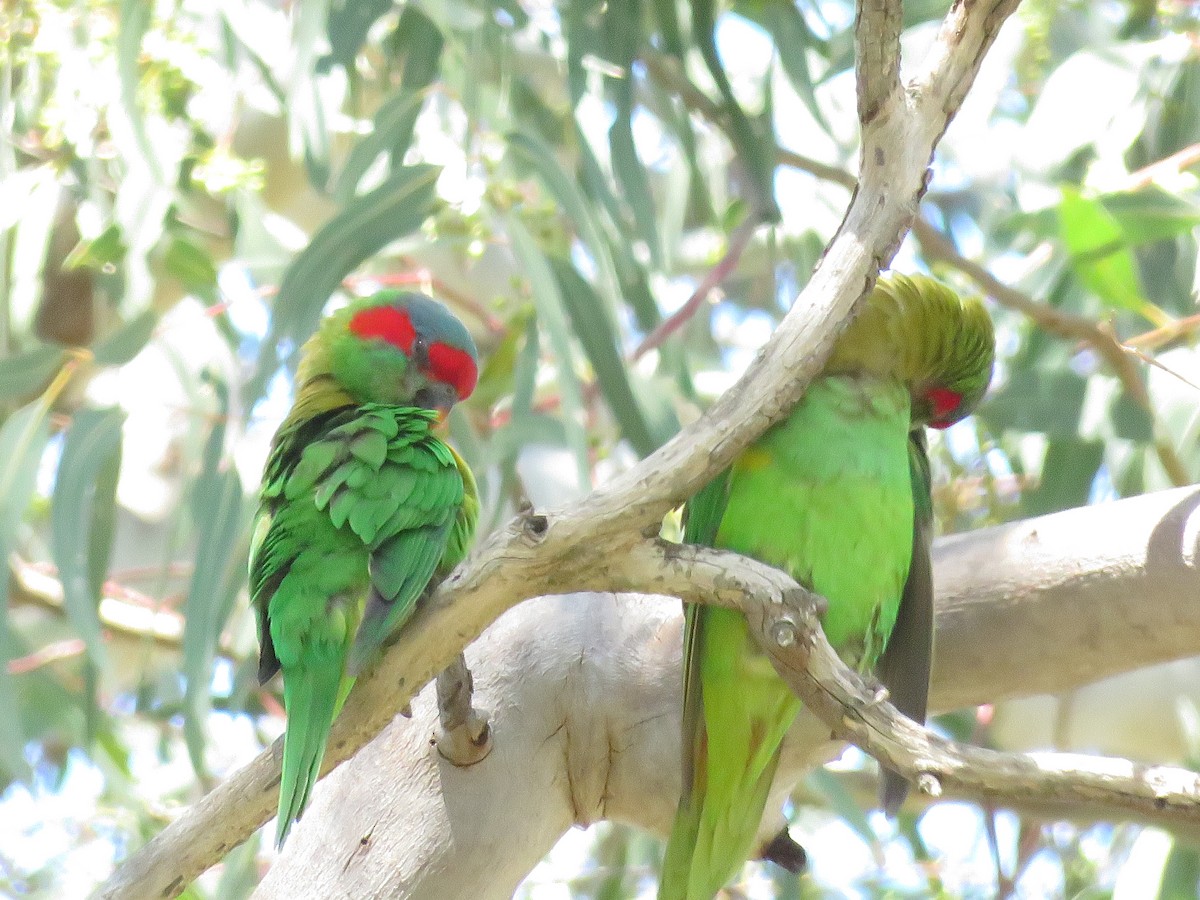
(386, 323)
(944, 402)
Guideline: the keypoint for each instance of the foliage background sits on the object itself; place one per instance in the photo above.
(620, 199)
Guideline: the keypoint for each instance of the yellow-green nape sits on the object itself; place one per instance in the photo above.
(917, 329)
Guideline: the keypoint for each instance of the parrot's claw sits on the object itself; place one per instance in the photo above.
(785, 853)
(464, 737)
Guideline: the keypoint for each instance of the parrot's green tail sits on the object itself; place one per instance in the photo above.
(312, 696)
(734, 754)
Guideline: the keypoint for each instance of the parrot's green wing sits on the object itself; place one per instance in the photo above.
(401, 498)
(701, 521)
(905, 665)
(357, 504)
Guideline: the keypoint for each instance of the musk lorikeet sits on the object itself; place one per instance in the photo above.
(362, 506)
(838, 496)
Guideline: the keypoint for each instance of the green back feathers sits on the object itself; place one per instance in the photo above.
(917, 329)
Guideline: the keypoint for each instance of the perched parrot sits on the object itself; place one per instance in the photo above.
(836, 495)
(362, 506)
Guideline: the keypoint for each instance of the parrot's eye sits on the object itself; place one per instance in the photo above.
(454, 367)
(944, 403)
(385, 323)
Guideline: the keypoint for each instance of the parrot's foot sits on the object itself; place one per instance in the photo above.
(785, 852)
(465, 737)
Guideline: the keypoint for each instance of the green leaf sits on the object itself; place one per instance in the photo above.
(754, 139)
(394, 209)
(346, 26)
(497, 378)
(103, 251)
(1130, 419)
(216, 506)
(622, 39)
(1037, 399)
(307, 124)
(1099, 254)
(23, 437)
(27, 373)
(392, 132)
(127, 341)
(599, 341)
(82, 518)
(793, 38)
(540, 157)
(396, 117)
(192, 266)
(1181, 873)
(549, 303)
(1068, 470)
(134, 22)
(1151, 214)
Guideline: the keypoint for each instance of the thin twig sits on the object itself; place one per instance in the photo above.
(717, 274)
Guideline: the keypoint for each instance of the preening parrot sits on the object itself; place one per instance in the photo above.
(362, 506)
(838, 496)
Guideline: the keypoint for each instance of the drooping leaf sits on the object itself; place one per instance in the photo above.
(421, 42)
(368, 223)
(25, 374)
(193, 267)
(216, 506)
(551, 317)
(127, 341)
(23, 437)
(134, 22)
(1099, 254)
(1045, 400)
(534, 152)
(1068, 471)
(82, 518)
(622, 32)
(1151, 214)
(600, 344)
(346, 27)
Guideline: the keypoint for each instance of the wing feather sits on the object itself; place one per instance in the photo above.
(904, 667)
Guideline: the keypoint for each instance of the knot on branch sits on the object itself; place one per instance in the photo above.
(534, 525)
(929, 785)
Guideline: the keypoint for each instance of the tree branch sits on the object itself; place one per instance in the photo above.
(877, 49)
(583, 545)
(596, 734)
(1048, 783)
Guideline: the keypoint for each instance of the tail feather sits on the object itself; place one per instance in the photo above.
(734, 748)
(312, 696)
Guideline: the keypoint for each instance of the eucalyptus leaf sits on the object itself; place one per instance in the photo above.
(396, 208)
(82, 518)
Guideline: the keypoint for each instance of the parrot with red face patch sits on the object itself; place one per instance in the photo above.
(838, 496)
(363, 505)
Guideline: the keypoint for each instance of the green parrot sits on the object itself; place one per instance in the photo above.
(838, 496)
(362, 506)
